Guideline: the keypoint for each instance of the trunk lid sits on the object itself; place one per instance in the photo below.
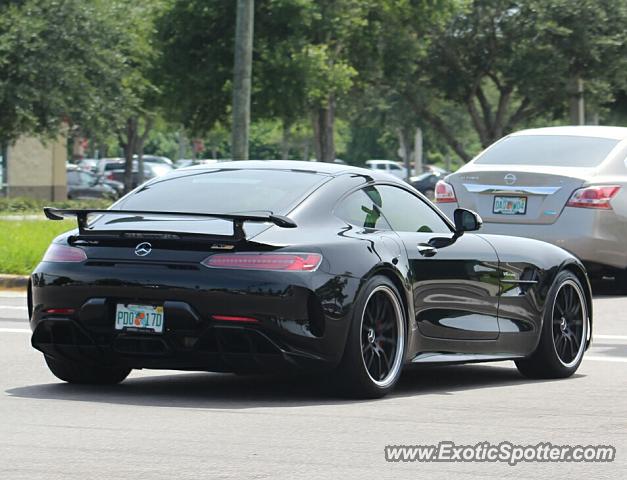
(537, 193)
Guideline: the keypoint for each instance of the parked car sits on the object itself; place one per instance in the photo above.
(82, 184)
(388, 166)
(271, 265)
(190, 162)
(425, 182)
(564, 185)
(156, 159)
(89, 164)
(114, 170)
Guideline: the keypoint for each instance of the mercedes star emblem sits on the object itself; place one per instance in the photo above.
(143, 249)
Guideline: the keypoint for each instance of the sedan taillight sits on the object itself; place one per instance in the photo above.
(593, 197)
(63, 253)
(444, 192)
(293, 262)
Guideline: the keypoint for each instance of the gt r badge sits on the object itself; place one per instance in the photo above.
(143, 249)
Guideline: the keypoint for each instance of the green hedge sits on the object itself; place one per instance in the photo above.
(23, 205)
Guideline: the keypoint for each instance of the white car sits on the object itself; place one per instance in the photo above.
(389, 166)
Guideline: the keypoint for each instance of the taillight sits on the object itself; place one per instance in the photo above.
(593, 197)
(444, 192)
(294, 262)
(59, 311)
(110, 176)
(234, 318)
(63, 253)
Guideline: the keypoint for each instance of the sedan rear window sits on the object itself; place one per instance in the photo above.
(549, 150)
(225, 191)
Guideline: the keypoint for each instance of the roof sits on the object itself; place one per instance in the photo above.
(616, 133)
(314, 167)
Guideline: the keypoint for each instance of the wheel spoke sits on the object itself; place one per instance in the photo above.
(571, 345)
(369, 317)
(370, 360)
(386, 359)
(380, 369)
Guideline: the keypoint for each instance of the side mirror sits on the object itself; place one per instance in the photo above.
(466, 221)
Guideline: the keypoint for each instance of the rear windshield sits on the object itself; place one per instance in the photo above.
(550, 150)
(225, 191)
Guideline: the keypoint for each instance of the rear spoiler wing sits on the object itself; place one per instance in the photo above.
(237, 219)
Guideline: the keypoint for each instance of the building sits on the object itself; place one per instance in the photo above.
(33, 168)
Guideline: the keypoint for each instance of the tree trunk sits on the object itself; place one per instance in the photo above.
(404, 150)
(129, 146)
(418, 152)
(577, 107)
(285, 140)
(242, 73)
(323, 127)
(139, 145)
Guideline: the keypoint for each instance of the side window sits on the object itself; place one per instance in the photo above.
(87, 178)
(407, 213)
(359, 209)
(73, 178)
(393, 166)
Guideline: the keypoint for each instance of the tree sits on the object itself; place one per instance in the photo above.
(60, 64)
(301, 62)
(509, 62)
(141, 85)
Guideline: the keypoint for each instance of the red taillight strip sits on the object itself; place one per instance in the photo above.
(59, 311)
(595, 196)
(444, 192)
(64, 254)
(291, 262)
(234, 318)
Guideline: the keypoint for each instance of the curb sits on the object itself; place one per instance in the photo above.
(13, 281)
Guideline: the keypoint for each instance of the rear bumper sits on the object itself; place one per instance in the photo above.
(596, 237)
(214, 348)
(301, 319)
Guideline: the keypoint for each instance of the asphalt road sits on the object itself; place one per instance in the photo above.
(195, 425)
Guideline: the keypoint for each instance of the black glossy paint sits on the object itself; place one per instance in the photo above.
(477, 297)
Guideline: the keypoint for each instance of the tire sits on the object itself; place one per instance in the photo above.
(375, 347)
(564, 332)
(74, 372)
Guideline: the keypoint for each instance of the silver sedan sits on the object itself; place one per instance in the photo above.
(563, 185)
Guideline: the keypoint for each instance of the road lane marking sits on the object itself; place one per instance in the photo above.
(609, 337)
(606, 359)
(15, 330)
(9, 294)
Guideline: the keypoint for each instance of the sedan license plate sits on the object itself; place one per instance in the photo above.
(510, 205)
(139, 317)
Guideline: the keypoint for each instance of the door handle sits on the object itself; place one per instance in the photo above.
(427, 250)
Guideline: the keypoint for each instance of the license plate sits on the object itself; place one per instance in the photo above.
(510, 205)
(139, 317)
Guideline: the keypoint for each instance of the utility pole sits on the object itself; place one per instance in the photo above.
(577, 106)
(242, 73)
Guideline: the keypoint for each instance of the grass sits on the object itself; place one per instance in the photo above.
(23, 242)
(27, 206)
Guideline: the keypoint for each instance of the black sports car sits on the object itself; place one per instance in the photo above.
(258, 266)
